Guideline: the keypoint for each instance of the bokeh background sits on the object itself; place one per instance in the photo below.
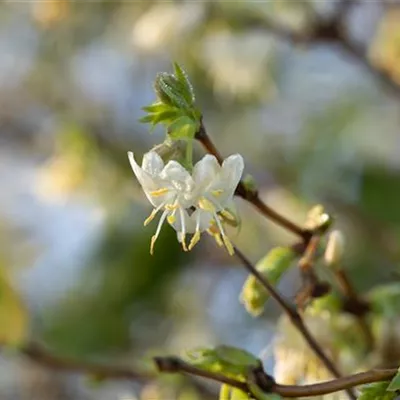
(314, 122)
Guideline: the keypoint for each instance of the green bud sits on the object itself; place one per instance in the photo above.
(272, 267)
(169, 90)
(250, 184)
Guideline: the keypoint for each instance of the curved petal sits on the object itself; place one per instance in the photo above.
(152, 163)
(231, 172)
(148, 182)
(205, 171)
(142, 176)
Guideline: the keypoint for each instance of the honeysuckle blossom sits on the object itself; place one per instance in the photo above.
(191, 203)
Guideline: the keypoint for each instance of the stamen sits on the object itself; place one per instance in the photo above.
(171, 207)
(183, 226)
(159, 192)
(197, 234)
(158, 230)
(194, 240)
(228, 215)
(150, 217)
(225, 239)
(217, 192)
(228, 244)
(153, 214)
(206, 205)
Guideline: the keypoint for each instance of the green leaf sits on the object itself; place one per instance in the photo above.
(236, 356)
(14, 321)
(182, 128)
(395, 383)
(376, 391)
(157, 108)
(227, 360)
(166, 117)
(146, 118)
(272, 267)
(187, 88)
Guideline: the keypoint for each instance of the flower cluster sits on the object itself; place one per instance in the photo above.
(190, 202)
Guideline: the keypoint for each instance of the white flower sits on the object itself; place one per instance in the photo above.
(190, 203)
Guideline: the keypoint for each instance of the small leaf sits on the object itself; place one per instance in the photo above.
(13, 314)
(272, 266)
(227, 360)
(395, 383)
(376, 391)
(166, 117)
(236, 356)
(156, 108)
(186, 85)
(146, 118)
(182, 128)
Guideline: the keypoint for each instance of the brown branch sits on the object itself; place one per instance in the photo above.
(294, 316)
(42, 356)
(175, 365)
(251, 196)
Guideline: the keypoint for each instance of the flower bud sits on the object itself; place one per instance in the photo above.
(250, 184)
(334, 248)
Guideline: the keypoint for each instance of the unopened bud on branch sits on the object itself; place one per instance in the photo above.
(334, 248)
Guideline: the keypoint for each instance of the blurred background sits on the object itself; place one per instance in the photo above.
(314, 120)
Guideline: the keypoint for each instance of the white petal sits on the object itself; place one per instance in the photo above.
(152, 163)
(205, 171)
(178, 177)
(231, 172)
(148, 182)
(142, 176)
(205, 219)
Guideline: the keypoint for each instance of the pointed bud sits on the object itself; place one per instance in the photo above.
(250, 184)
(334, 248)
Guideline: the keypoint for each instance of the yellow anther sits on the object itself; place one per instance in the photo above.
(194, 240)
(228, 245)
(171, 207)
(171, 218)
(150, 217)
(217, 192)
(215, 235)
(184, 243)
(159, 192)
(213, 229)
(206, 205)
(152, 243)
(228, 215)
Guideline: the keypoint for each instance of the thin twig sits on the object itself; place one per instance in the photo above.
(42, 356)
(174, 365)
